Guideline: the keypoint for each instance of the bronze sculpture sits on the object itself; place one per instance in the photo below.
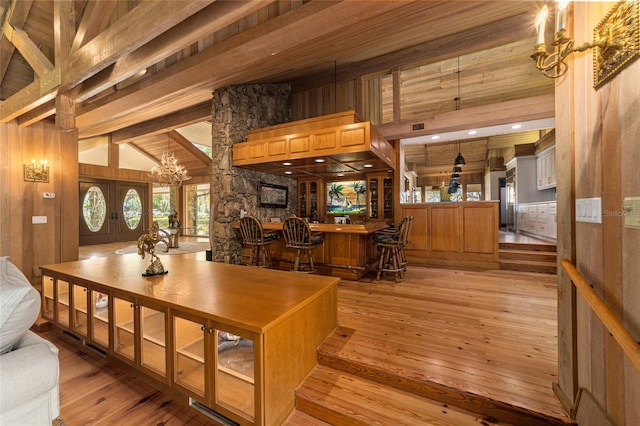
(147, 244)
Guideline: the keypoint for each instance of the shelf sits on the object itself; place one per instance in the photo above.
(153, 328)
(194, 350)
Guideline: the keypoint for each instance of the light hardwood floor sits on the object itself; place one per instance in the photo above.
(488, 333)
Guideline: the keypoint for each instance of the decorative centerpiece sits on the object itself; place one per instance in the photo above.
(147, 244)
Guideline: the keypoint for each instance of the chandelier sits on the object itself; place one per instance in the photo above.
(169, 172)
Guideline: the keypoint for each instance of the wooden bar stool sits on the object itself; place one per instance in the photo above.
(391, 244)
(298, 236)
(253, 235)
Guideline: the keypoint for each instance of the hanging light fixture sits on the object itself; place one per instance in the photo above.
(169, 172)
(459, 159)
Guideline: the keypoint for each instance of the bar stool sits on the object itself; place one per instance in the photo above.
(298, 236)
(391, 245)
(253, 235)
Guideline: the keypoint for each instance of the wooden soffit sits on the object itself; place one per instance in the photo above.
(333, 146)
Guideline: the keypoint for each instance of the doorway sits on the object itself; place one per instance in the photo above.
(112, 211)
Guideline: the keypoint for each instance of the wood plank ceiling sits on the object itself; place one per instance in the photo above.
(138, 70)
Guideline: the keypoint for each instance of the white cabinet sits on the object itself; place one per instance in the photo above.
(538, 219)
(546, 169)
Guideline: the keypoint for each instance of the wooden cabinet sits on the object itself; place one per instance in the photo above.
(380, 198)
(311, 195)
(215, 366)
(218, 334)
(546, 169)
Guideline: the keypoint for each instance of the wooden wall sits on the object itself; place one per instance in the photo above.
(29, 245)
(597, 141)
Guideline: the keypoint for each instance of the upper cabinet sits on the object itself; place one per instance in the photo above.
(380, 197)
(546, 168)
(311, 202)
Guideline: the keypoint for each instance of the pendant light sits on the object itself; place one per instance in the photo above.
(459, 159)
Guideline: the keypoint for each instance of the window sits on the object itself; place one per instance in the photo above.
(161, 208)
(474, 192)
(196, 220)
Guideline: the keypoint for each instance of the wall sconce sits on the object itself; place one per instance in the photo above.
(34, 172)
(616, 40)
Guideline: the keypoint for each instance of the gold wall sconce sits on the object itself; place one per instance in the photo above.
(34, 172)
(616, 42)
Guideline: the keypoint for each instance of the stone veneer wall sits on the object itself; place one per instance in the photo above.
(235, 111)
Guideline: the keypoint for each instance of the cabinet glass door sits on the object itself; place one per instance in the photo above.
(373, 198)
(153, 348)
(313, 199)
(124, 331)
(388, 198)
(189, 356)
(235, 373)
(62, 298)
(80, 319)
(47, 297)
(302, 201)
(100, 318)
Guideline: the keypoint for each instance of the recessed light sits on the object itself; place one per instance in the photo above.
(472, 132)
(340, 174)
(368, 166)
(435, 137)
(319, 160)
(288, 172)
(516, 126)
(287, 163)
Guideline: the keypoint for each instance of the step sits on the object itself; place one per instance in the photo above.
(528, 266)
(528, 246)
(340, 398)
(541, 256)
(331, 356)
(298, 418)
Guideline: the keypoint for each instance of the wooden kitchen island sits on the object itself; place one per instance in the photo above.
(454, 234)
(230, 340)
(347, 252)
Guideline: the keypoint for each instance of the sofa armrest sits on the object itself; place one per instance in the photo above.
(31, 369)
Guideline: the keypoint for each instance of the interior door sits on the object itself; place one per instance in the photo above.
(112, 211)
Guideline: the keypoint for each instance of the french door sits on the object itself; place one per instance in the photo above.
(112, 211)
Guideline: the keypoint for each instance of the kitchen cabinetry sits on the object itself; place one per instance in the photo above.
(311, 198)
(546, 168)
(538, 219)
(380, 198)
(215, 333)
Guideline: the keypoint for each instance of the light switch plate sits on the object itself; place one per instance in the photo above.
(631, 209)
(589, 210)
(48, 195)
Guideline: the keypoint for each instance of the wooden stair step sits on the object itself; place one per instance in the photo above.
(332, 355)
(549, 256)
(528, 246)
(528, 266)
(340, 398)
(298, 418)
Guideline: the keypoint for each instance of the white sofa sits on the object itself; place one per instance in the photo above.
(29, 368)
(29, 392)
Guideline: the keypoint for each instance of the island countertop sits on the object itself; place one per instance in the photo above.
(352, 228)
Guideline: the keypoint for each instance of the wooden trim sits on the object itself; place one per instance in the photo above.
(626, 341)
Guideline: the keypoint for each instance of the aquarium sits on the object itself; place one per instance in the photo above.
(348, 197)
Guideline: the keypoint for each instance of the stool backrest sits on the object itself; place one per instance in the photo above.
(296, 232)
(405, 230)
(251, 230)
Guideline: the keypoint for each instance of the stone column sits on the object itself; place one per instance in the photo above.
(235, 111)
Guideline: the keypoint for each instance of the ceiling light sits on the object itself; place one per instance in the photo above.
(288, 172)
(435, 137)
(368, 165)
(319, 160)
(340, 174)
(472, 132)
(169, 172)
(287, 163)
(516, 126)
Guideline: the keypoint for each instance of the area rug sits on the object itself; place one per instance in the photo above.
(186, 247)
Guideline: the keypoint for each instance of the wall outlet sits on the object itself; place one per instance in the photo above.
(38, 219)
(48, 195)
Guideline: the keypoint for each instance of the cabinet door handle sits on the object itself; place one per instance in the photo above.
(203, 328)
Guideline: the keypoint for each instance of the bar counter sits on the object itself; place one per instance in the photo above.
(347, 252)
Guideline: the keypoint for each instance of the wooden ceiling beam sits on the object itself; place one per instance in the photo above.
(143, 23)
(194, 114)
(40, 64)
(226, 62)
(95, 19)
(533, 108)
(15, 17)
(186, 144)
(209, 20)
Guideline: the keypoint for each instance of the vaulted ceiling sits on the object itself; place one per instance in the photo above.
(138, 70)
